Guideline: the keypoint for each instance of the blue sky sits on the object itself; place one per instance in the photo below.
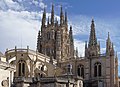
(20, 21)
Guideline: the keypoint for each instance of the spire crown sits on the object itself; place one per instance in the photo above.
(116, 56)
(92, 39)
(52, 14)
(85, 44)
(56, 21)
(108, 36)
(44, 17)
(61, 16)
(70, 28)
(48, 20)
(71, 35)
(65, 17)
(92, 24)
(76, 52)
(61, 11)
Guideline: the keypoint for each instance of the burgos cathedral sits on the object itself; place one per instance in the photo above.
(56, 63)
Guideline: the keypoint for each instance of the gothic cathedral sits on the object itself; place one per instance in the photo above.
(56, 63)
(55, 41)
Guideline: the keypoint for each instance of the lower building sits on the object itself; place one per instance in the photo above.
(6, 72)
(33, 69)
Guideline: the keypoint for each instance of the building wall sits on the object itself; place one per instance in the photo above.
(4, 76)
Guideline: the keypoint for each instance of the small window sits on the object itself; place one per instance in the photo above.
(21, 68)
(80, 71)
(69, 68)
(21, 54)
(97, 69)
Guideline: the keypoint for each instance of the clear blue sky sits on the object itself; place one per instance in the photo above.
(100, 8)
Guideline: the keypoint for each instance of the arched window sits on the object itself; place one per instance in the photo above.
(48, 51)
(80, 71)
(97, 69)
(48, 35)
(21, 68)
(42, 68)
(69, 68)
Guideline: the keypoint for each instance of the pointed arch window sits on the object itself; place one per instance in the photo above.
(69, 68)
(21, 68)
(80, 71)
(42, 68)
(48, 35)
(97, 69)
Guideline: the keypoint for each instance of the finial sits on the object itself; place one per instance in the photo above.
(61, 16)
(65, 17)
(44, 17)
(56, 21)
(76, 52)
(85, 44)
(92, 20)
(116, 54)
(92, 24)
(112, 46)
(52, 7)
(52, 15)
(70, 27)
(61, 8)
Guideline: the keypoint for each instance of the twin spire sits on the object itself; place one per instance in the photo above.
(93, 42)
(63, 20)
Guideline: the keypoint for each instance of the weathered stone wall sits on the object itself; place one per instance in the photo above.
(4, 75)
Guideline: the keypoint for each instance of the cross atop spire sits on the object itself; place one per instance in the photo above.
(92, 39)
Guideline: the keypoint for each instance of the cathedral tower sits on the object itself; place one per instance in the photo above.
(93, 46)
(54, 40)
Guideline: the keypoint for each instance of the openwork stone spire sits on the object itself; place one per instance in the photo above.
(66, 17)
(61, 16)
(92, 39)
(108, 45)
(52, 14)
(44, 18)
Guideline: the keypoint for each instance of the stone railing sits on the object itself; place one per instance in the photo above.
(12, 53)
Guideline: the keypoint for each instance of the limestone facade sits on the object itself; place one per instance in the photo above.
(6, 72)
(56, 63)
